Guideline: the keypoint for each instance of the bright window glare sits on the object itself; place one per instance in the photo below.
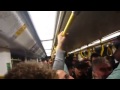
(47, 44)
(48, 54)
(44, 23)
(48, 51)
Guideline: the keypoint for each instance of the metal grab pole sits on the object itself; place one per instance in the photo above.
(68, 23)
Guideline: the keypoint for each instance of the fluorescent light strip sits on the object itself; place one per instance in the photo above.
(83, 47)
(94, 43)
(110, 36)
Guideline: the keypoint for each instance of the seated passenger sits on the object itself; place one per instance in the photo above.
(101, 68)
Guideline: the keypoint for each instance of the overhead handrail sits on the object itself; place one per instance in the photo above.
(102, 48)
(81, 54)
(68, 23)
(89, 52)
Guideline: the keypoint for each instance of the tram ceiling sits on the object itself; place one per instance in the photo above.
(88, 26)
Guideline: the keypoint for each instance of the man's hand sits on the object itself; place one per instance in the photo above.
(61, 40)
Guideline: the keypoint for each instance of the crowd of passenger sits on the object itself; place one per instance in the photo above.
(62, 67)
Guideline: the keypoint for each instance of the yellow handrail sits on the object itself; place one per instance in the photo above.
(88, 52)
(81, 54)
(68, 23)
(102, 50)
(109, 50)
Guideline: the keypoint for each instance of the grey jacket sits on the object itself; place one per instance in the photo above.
(59, 63)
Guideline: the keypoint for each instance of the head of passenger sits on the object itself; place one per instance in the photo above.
(31, 70)
(101, 68)
(74, 58)
(86, 60)
(80, 70)
(63, 75)
(94, 56)
(34, 70)
(74, 62)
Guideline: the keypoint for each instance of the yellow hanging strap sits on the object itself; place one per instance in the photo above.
(85, 55)
(102, 50)
(109, 51)
(68, 23)
(55, 48)
(81, 54)
(89, 52)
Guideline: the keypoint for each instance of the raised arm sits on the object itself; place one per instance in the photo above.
(60, 52)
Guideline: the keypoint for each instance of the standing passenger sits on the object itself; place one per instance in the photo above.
(60, 58)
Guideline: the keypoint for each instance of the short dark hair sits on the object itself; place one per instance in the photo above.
(81, 65)
(94, 55)
(31, 70)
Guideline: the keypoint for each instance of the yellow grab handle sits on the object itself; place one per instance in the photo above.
(102, 50)
(81, 54)
(89, 52)
(68, 23)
